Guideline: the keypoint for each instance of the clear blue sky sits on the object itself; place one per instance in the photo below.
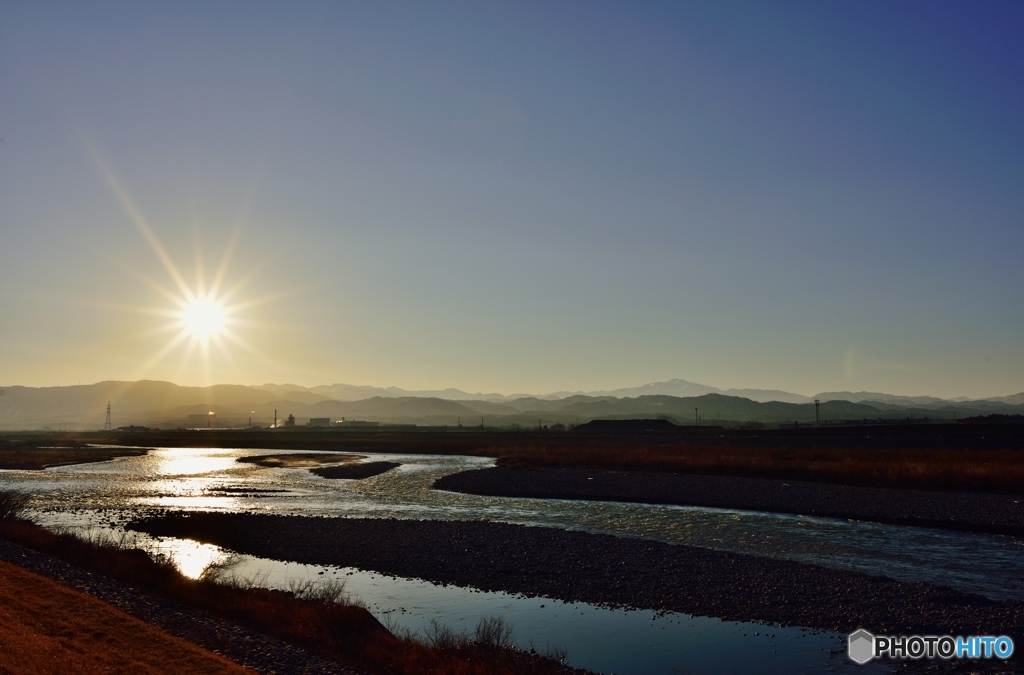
(516, 197)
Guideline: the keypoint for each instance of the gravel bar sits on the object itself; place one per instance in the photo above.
(355, 471)
(604, 569)
(249, 648)
(973, 512)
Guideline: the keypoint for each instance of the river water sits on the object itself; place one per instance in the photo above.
(106, 495)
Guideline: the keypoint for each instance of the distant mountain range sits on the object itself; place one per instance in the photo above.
(676, 387)
(168, 405)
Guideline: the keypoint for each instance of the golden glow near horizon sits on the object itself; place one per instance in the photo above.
(202, 317)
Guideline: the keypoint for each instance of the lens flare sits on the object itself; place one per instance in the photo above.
(203, 319)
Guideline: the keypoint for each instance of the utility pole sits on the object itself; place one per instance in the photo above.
(696, 417)
(817, 418)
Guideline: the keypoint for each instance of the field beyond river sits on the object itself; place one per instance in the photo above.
(972, 512)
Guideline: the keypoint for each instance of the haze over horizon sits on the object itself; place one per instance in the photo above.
(676, 387)
(509, 197)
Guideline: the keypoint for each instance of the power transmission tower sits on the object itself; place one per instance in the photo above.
(817, 417)
(106, 425)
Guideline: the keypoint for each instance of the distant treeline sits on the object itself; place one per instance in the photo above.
(994, 419)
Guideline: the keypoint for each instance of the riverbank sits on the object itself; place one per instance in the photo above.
(948, 457)
(46, 627)
(973, 512)
(311, 629)
(36, 458)
(906, 463)
(603, 569)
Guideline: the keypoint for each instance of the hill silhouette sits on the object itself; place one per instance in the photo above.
(167, 405)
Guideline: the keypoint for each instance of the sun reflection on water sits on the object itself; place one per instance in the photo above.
(190, 557)
(192, 462)
(186, 502)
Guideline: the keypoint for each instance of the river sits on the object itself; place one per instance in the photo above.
(106, 495)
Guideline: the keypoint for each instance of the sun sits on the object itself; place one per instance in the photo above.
(203, 319)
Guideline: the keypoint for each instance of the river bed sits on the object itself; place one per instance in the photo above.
(109, 494)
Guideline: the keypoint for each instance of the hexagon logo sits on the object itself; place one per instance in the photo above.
(861, 646)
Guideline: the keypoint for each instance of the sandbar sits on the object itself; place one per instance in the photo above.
(299, 460)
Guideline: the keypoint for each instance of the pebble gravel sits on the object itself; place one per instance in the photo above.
(263, 654)
(604, 569)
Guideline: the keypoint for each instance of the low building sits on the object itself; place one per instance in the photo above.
(319, 422)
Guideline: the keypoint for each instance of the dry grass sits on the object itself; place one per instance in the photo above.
(47, 628)
(316, 617)
(964, 469)
(13, 505)
(40, 458)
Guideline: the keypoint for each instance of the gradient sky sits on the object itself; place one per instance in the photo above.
(518, 197)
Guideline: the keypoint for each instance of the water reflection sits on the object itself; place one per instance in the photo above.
(628, 642)
(190, 557)
(192, 462)
(212, 479)
(193, 502)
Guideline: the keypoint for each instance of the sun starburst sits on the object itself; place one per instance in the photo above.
(203, 318)
(200, 316)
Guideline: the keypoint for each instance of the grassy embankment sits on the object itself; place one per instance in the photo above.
(942, 469)
(27, 457)
(48, 628)
(315, 617)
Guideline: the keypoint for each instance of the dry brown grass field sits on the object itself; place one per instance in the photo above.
(957, 469)
(40, 458)
(47, 628)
